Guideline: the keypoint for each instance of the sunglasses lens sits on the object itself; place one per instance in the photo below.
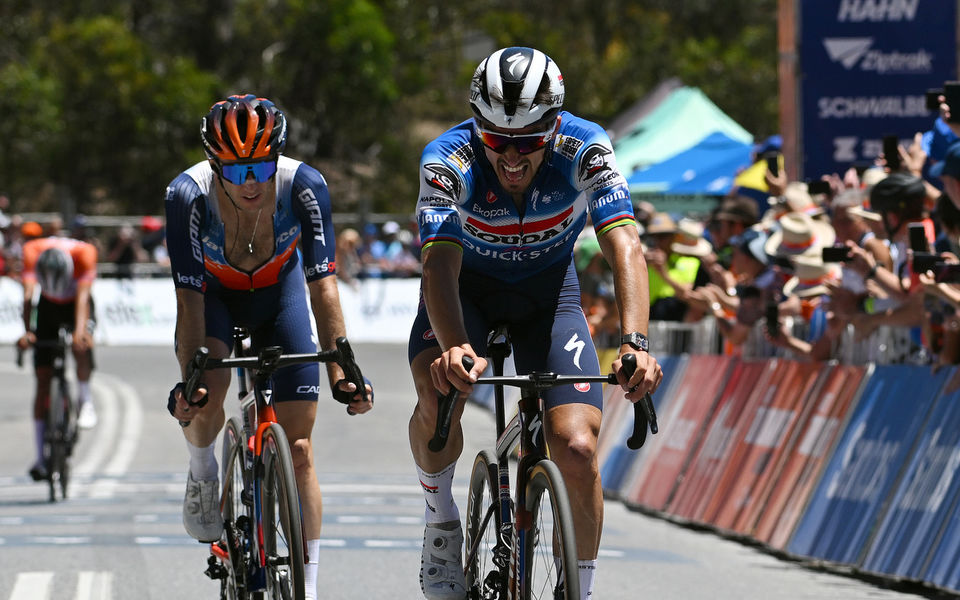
(524, 144)
(236, 173)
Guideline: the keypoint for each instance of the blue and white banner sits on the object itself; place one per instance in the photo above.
(864, 68)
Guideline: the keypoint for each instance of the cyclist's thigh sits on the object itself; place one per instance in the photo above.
(423, 338)
(296, 418)
(556, 338)
(291, 330)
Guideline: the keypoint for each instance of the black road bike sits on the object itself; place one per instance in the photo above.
(60, 435)
(523, 547)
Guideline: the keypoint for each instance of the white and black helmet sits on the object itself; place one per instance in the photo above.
(516, 87)
(55, 271)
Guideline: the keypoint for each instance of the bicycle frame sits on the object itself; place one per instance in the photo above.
(245, 534)
(515, 521)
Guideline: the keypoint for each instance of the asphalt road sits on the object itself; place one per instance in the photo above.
(119, 534)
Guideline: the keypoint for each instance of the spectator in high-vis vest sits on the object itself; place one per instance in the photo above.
(673, 275)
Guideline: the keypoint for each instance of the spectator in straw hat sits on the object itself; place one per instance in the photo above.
(672, 275)
(812, 284)
(799, 233)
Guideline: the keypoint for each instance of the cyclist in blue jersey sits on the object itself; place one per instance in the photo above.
(234, 222)
(503, 197)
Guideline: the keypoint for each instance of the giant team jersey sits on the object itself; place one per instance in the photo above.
(461, 201)
(195, 234)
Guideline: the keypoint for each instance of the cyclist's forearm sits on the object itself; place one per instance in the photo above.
(328, 314)
(82, 308)
(441, 294)
(621, 247)
(28, 289)
(191, 327)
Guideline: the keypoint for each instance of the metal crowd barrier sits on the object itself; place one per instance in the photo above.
(887, 345)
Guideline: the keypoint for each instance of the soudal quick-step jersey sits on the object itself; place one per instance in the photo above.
(195, 235)
(461, 201)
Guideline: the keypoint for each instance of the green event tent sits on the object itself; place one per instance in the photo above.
(684, 118)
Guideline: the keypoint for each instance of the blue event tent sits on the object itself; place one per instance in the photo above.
(707, 168)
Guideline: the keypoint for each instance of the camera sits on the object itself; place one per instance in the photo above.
(773, 162)
(924, 261)
(891, 151)
(918, 237)
(773, 318)
(818, 186)
(836, 254)
(947, 273)
(951, 90)
(933, 99)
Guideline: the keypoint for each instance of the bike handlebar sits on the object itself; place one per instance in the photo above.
(643, 411)
(267, 361)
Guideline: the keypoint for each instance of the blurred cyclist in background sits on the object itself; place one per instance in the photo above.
(65, 270)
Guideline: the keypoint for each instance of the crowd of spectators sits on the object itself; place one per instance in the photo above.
(857, 251)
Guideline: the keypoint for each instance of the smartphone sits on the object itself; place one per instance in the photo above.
(836, 254)
(918, 237)
(891, 151)
(773, 319)
(924, 261)
(947, 273)
(933, 99)
(773, 162)
(818, 187)
(951, 90)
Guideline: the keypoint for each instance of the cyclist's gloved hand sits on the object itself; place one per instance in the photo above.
(172, 399)
(347, 398)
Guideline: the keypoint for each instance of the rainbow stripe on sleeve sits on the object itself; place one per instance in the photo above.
(614, 221)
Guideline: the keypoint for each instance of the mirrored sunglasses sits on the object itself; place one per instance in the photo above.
(524, 143)
(237, 173)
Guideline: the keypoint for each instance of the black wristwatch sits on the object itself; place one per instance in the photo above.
(636, 340)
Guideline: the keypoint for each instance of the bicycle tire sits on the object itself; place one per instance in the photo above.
(234, 483)
(484, 578)
(542, 547)
(58, 421)
(282, 530)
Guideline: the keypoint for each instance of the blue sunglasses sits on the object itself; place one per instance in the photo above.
(237, 173)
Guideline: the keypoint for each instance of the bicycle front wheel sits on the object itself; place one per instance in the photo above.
(58, 442)
(549, 548)
(236, 524)
(485, 579)
(282, 531)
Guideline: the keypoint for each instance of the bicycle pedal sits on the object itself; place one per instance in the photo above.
(214, 569)
(246, 497)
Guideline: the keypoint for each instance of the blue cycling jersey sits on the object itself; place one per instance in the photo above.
(195, 233)
(462, 203)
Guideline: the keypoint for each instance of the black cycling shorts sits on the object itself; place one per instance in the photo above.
(50, 317)
(547, 327)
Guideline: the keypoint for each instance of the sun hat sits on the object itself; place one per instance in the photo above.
(810, 277)
(799, 233)
(661, 223)
(690, 240)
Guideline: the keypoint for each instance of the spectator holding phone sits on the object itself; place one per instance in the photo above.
(899, 199)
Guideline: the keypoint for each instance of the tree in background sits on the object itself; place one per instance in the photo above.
(105, 98)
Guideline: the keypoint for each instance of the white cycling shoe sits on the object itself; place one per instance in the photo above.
(441, 565)
(201, 510)
(87, 419)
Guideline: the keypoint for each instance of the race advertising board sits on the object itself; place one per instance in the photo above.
(864, 69)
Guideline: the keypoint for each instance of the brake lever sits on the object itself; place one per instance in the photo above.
(194, 371)
(445, 405)
(644, 414)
